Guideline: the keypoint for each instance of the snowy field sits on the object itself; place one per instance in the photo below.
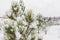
(53, 33)
(49, 8)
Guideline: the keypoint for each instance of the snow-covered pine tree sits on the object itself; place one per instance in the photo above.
(40, 24)
(19, 19)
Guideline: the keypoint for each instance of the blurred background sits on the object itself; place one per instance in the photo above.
(48, 8)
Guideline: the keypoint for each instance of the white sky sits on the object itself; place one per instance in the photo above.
(45, 7)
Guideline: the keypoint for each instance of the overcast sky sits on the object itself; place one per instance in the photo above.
(45, 7)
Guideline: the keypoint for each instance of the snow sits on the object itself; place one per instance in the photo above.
(53, 33)
(45, 7)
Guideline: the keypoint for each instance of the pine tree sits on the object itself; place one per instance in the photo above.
(10, 33)
(13, 11)
(25, 32)
(9, 30)
(29, 20)
(40, 24)
(17, 18)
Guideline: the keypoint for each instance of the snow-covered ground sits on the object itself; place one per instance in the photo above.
(45, 7)
(53, 33)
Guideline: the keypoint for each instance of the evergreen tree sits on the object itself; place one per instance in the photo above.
(40, 24)
(9, 30)
(13, 11)
(17, 18)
